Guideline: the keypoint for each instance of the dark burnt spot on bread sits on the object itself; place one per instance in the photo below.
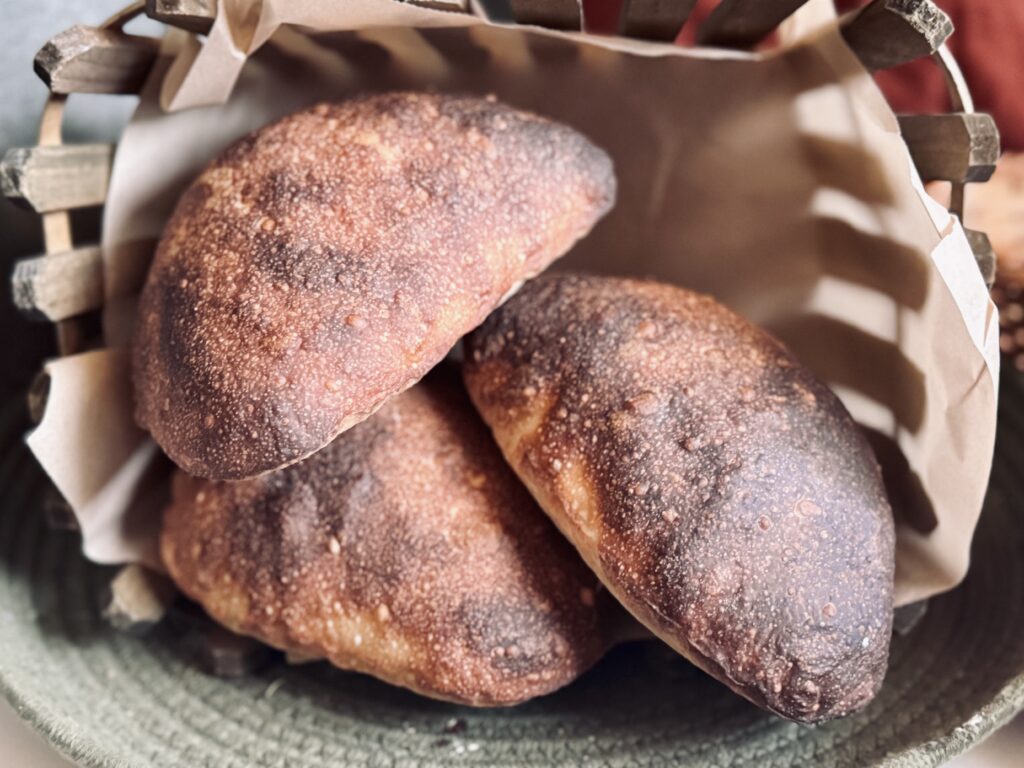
(406, 549)
(327, 261)
(517, 636)
(725, 494)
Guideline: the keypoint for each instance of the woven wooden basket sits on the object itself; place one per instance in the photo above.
(109, 698)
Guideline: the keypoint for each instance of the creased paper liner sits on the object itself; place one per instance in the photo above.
(777, 183)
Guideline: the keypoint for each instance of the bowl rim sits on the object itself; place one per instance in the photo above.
(73, 742)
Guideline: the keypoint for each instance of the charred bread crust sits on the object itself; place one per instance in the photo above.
(406, 549)
(327, 261)
(719, 490)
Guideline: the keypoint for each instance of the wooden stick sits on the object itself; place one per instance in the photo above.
(57, 178)
(983, 254)
(888, 33)
(654, 19)
(90, 60)
(957, 147)
(743, 23)
(50, 63)
(59, 286)
(57, 224)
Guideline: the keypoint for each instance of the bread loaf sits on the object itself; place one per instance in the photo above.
(721, 492)
(326, 262)
(406, 549)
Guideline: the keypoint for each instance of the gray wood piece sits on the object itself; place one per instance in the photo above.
(983, 254)
(90, 60)
(654, 19)
(958, 147)
(137, 599)
(193, 15)
(888, 33)
(60, 285)
(225, 654)
(743, 23)
(215, 649)
(57, 178)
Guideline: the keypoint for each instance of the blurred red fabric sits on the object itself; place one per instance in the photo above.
(988, 44)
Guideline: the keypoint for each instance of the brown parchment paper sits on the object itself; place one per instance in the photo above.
(777, 183)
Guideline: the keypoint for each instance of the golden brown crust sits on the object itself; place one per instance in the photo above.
(720, 491)
(406, 549)
(327, 261)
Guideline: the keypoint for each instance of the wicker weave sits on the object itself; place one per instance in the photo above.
(109, 699)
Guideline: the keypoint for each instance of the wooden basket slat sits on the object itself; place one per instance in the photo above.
(654, 19)
(92, 60)
(888, 33)
(959, 147)
(57, 178)
(59, 285)
(983, 254)
(197, 15)
(554, 14)
(884, 34)
(193, 15)
(743, 23)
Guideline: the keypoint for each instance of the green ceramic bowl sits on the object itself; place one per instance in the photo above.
(108, 699)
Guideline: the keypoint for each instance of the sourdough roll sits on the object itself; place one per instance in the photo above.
(327, 261)
(720, 491)
(406, 549)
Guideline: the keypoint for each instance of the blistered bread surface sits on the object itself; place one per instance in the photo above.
(406, 549)
(327, 261)
(717, 487)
